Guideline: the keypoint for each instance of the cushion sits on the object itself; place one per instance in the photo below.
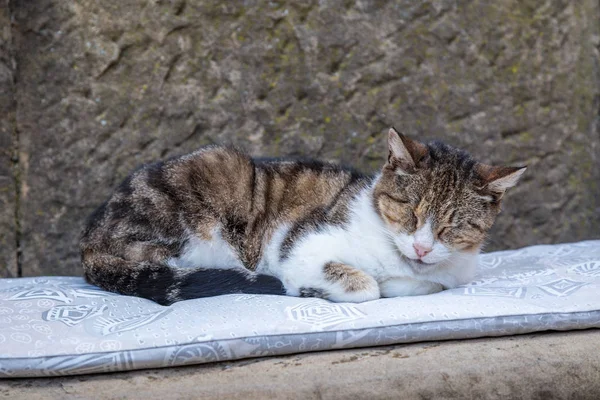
(62, 326)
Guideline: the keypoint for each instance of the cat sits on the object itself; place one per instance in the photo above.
(217, 221)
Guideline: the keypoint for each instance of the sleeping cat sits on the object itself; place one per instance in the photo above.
(217, 221)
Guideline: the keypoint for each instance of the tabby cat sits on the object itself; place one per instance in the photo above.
(217, 221)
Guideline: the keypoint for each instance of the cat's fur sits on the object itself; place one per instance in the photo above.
(217, 221)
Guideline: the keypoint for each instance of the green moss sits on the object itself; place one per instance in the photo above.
(573, 182)
(525, 137)
(519, 110)
(373, 92)
(397, 103)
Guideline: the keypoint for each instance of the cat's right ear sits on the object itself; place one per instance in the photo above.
(496, 180)
(405, 155)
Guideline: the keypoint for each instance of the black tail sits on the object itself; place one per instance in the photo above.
(167, 285)
(177, 285)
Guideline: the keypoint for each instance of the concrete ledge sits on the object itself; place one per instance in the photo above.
(557, 365)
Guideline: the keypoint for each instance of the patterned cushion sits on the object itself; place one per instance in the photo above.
(63, 326)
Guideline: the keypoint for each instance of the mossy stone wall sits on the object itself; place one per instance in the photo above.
(103, 86)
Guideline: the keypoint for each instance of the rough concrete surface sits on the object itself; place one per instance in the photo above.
(105, 86)
(538, 366)
(8, 229)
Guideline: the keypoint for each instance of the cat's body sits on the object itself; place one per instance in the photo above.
(217, 221)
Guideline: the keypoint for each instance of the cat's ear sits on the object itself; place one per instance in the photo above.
(405, 155)
(496, 180)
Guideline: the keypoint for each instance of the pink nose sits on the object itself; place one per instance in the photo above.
(421, 250)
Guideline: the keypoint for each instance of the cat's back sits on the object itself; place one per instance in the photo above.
(225, 174)
(221, 183)
(212, 172)
(291, 190)
(155, 193)
(308, 172)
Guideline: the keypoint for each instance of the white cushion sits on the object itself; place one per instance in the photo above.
(62, 326)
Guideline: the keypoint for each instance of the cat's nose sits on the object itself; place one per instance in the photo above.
(421, 250)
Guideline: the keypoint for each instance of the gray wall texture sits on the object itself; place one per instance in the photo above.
(8, 192)
(92, 89)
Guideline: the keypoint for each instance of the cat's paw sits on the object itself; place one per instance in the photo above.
(348, 284)
(336, 282)
(369, 291)
(396, 287)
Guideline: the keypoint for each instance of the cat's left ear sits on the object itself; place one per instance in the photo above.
(405, 155)
(498, 179)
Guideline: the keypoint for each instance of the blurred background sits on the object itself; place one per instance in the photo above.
(91, 89)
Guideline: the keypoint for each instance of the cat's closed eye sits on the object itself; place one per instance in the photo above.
(393, 218)
(404, 216)
(397, 212)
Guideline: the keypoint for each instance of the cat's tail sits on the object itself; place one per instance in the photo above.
(167, 285)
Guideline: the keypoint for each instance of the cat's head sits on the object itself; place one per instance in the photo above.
(436, 201)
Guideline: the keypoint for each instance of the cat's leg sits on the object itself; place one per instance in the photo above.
(334, 281)
(395, 287)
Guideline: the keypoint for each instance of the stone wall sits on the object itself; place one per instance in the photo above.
(8, 221)
(102, 87)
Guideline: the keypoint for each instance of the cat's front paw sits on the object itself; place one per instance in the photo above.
(396, 287)
(348, 284)
(368, 291)
(336, 282)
